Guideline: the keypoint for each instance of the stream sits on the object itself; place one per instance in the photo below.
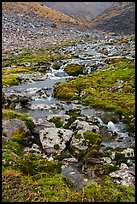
(41, 102)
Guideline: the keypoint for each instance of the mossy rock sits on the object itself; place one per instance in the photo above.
(21, 137)
(8, 114)
(63, 92)
(92, 154)
(16, 70)
(56, 65)
(10, 80)
(104, 169)
(74, 69)
(93, 138)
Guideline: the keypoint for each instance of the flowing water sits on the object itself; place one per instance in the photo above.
(41, 106)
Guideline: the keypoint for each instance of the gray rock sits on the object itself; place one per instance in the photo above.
(94, 120)
(123, 166)
(126, 177)
(43, 122)
(63, 117)
(41, 106)
(83, 125)
(129, 152)
(54, 140)
(9, 127)
(70, 160)
(17, 97)
(107, 160)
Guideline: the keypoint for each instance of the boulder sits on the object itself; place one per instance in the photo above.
(124, 176)
(63, 117)
(54, 140)
(83, 125)
(9, 127)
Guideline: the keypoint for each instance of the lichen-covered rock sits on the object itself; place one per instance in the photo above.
(54, 140)
(9, 127)
(83, 125)
(124, 176)
(129, 152)
(74, 69)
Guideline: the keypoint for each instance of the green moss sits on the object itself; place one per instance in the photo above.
(78, 136)
(120, 158)
(56, 65)
(19, 69)
(33, 164)
(10, 80)
(40, 57)
(105, 190)
(46, 188)
(57, 121)
(93, 153)
(56, 147)
(74, 69)
(92, 137)
(28, 121)
(63, 92)
(19, 136)
(104, 169)
(8, 114)
(95, 146)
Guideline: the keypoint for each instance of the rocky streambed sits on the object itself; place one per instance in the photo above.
(89, 142)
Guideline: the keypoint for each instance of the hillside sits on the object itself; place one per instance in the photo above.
(119, 18)
(37, 8)
(30, 23)
(83, 11)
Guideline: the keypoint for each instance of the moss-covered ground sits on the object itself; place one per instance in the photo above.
(36, 60)
(111, 88)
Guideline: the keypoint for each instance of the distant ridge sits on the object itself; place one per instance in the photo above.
(119, 18)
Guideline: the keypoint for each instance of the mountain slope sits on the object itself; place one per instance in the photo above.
(37, 8)
(83, 11)
(30, 23)
(119, 18)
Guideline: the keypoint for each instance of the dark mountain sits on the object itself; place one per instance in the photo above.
(119, 18)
